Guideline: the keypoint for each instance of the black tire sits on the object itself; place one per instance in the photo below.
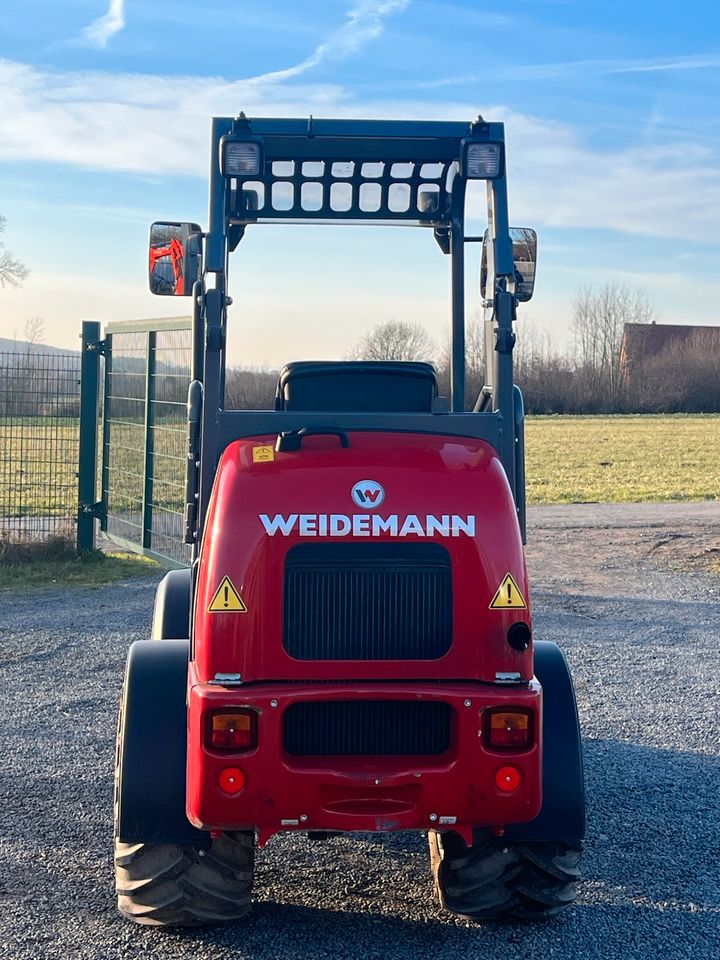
(171, 613)
(177, 886)
(181, 886)
(498, 879)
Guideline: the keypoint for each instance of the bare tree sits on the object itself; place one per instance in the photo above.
(474, 361)
(394, 340)
(250, 389)
(34, 331)
(12, 270)
(600, 315)
(544, 374)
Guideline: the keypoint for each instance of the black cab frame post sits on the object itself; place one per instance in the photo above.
(457, 266)
(503, 307)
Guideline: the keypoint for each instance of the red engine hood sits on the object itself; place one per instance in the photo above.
(387, 488)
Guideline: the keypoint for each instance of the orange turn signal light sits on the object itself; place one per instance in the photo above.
(232, 731)
(508, 779)
(508, 730)
(231, 780)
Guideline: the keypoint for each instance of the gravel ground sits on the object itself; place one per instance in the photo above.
(640, 622)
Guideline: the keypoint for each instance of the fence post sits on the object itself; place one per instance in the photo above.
(105, 448)
(148, 470)
(87, 463)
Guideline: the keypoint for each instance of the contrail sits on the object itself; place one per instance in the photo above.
(364, 24)
(105, 27)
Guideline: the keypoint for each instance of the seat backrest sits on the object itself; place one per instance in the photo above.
(364, 386)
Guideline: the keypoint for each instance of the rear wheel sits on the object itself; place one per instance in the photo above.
(498, 879)
(181, 886)
(178, 886)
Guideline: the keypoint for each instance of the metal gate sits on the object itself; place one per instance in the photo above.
(143, 436)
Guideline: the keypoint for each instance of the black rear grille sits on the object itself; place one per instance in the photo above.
(385, 728)
(368, 602)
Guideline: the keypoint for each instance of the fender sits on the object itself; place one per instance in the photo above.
(562, 816)
(152, 747)
(171, 616)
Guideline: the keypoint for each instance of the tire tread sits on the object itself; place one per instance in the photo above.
(496, 879)
(177, 886)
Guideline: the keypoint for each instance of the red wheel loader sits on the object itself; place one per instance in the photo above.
(351, 649)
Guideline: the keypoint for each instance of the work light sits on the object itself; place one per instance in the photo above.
(482, 161)
(240, 157)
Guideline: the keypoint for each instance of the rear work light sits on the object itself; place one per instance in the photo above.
(482, 161)
(240, 158)
(232, 731)
(508, 730)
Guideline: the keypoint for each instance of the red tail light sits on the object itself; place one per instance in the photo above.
(508, 729)
(232, 731)
(231, 780)
(508, 779)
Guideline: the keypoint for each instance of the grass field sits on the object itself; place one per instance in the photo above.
(622, 459)
(38, 466)
(37, 566)
(39, 463)
(569, 460)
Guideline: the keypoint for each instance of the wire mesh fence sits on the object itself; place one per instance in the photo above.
(170, 440)
(39, 443)
(147, 371)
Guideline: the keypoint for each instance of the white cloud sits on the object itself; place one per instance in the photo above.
(662, 190)
(100, 31)
(159, 126)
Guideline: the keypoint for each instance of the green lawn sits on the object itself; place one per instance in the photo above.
(569, 459)
(39, 463)
(38, 466)
(622, 458)
(31, 567)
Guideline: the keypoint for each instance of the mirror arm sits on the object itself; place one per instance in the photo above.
(442, 236)
(236, 231)
(484, 400)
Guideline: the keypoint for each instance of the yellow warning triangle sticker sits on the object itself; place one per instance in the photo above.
(508, 596)
(227, 599)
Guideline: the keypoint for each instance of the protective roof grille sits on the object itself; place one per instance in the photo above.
(348, 189)
(351, 170)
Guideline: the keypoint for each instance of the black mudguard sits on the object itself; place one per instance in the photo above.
(153, 747)
(562, 816)
(171, 616)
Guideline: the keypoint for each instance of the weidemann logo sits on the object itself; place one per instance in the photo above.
(368, 493)
(366, 525)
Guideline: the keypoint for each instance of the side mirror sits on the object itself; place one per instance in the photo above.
(524, 241)
(175, 258)
(525, 256)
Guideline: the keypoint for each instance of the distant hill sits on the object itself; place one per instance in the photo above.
(22, 346)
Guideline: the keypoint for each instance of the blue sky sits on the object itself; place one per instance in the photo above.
(612, 120)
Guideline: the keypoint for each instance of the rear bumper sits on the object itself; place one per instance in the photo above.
(453, 790)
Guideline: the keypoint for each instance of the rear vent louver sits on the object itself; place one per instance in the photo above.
(368, 602)
(385, 728)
